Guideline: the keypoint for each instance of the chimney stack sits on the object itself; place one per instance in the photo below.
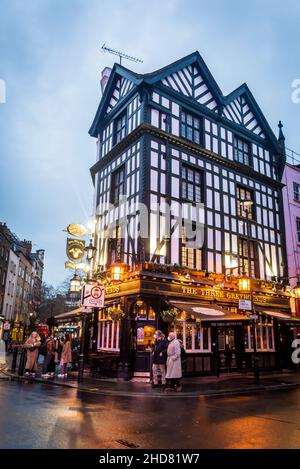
(105, 74)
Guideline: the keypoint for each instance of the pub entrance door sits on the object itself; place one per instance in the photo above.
(143, 329)
(228, 356)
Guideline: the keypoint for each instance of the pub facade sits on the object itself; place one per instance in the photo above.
(188, 207)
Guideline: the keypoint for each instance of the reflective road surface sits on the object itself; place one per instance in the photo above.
(43, 416)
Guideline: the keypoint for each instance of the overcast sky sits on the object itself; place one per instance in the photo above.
(51, 61)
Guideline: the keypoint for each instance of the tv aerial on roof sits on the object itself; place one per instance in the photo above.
(121, 55)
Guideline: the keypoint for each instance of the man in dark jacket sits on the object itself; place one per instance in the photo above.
(159, 358)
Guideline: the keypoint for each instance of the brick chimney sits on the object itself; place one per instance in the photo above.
(105, 74)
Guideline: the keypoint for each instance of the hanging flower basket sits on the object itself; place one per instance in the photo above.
(116, 313)
(168, 315)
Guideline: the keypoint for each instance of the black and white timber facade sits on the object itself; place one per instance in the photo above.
(171, 138)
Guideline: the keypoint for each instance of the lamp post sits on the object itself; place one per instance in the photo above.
(90, 253)
(245, 284)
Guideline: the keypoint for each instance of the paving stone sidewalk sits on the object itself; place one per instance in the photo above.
(226, 384)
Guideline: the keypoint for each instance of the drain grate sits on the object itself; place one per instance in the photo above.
(127, 443)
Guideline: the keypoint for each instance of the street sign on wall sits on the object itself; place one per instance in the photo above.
(92, 296)
(246, 305)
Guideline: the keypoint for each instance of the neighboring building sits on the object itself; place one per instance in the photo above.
(22, 276)
(4, 256)
(171, 137)
(23, 305)
(37, 260)
(11, 286)
(291, 200)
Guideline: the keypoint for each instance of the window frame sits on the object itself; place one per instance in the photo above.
(107, 336)
(253, 260)
(121, 133)
(185, 125)
(296, 185)
(113, 187)
(240, 211)
(298, 229)
(236, 139)
(195, 185)
(259, 338)
(193, 324)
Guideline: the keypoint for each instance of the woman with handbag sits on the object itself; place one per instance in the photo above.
(32, 345)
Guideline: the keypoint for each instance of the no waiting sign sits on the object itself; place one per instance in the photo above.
(92, 296)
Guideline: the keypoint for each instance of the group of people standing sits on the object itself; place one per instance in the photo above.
(54, 351)
(168, 356)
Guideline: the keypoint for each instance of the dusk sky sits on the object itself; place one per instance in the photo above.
(51, 59)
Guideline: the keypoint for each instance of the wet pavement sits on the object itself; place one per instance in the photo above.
(35, 415)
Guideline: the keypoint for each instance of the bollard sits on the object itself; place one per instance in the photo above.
(14, 359)
(22, 362)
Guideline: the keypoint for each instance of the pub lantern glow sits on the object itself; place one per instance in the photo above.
(244, 283)
(296, 290)
(117, 271)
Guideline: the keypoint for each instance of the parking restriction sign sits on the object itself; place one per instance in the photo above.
(93, 296)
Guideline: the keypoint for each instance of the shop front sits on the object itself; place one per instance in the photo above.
(217, 336)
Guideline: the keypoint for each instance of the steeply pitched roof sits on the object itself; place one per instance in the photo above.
(261, 127)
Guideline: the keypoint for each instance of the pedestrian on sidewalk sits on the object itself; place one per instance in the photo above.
(174, 370)
(57, 350)
(66, 356)
(159, 358)
(47, 371)
(32, 345)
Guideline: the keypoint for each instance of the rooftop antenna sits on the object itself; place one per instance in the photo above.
(121, 55)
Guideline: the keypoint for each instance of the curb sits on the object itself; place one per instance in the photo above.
(196, 394)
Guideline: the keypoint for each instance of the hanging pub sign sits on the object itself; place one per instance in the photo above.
(76, 229)
(72, 265)
(75, 249)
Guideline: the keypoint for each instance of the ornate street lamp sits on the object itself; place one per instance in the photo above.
(90, 254)
(90, 250)
(75, 283)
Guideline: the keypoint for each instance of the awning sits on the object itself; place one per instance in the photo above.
(282, 317)
(209, 313)
(73, 313)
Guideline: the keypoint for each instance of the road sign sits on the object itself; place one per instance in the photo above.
(246, 305)
(92, 296)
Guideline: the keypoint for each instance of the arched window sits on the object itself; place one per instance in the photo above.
(143, 312)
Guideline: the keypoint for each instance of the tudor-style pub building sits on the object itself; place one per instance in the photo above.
(171, 138)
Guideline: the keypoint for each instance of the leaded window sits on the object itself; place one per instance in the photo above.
(190, 127)
(120, 129)
(241, 151)
(117, 185)
(245, 259)
(191, 184)
(244, 194)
